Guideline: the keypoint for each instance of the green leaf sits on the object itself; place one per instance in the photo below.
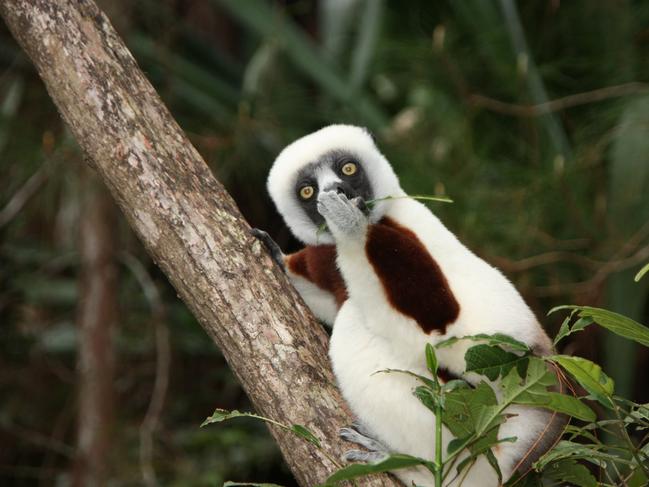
(483, 449)
(576, 451)
(514, 390)
(638, 479)
(564, 330)
(463, 407)
(431, 359)
(464, 410)
(617, 323)
(529, 479)
(566, 404)
(641, 273)
(570, 472)
(489, 418)
(427, 397)
(300, 430)
(457, 444)
(393, 462)
(589, 375)
(638, 416)
(497, 339)
(492, 361)
(221, 415)
(493, 461)
(579, 325)
(561, 403)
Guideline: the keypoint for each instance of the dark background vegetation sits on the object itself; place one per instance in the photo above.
(556, 195)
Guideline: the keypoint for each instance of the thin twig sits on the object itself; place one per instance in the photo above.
(620, 261)
(39, 439)
(545, 258)
(163, 359)
(600, 276)
(22, 196)
(559, 104)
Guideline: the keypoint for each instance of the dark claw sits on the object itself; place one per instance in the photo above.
(274, 249)
(361, 205)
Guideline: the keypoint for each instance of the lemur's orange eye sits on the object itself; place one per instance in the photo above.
(306, 192)
(349, 169)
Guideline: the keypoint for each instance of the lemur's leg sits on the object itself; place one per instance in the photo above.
(274, 249)
(359, 435)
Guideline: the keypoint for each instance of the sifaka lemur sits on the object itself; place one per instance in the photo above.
(390, 277)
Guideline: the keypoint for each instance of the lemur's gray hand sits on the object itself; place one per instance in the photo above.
(274, 249)
(357, 434)
(344, 217)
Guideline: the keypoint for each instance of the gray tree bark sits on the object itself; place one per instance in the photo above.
(189, 224)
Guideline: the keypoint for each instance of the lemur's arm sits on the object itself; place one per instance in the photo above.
(314, 274)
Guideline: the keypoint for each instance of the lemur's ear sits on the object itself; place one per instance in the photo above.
(371, 134)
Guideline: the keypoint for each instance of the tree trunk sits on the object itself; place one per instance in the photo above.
(189, 224)
(96, 316)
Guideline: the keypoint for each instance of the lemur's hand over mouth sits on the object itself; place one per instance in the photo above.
(344, 217)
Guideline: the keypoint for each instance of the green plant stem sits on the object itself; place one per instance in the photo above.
(422, 197)
(439, 466)
(629, 441)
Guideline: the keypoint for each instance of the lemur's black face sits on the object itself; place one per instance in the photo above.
(339, 171)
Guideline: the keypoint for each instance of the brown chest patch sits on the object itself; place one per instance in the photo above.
(446, 375)
(412, 280)
(317, 263)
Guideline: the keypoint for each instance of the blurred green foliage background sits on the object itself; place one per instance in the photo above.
(533, 116)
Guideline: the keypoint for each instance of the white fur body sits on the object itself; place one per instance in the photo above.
(320, 302)
(370, 335)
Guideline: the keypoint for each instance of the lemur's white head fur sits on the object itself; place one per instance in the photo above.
(309, 154)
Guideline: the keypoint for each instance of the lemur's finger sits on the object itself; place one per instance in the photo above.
(364, 456)
(360, 427)
(274, 249)
(353, 436)
(360, 204)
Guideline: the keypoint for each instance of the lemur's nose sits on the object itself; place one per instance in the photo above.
(341, 188)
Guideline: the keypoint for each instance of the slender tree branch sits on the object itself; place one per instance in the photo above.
(22, 196)
(96, 317)
(163, 363)
(558, 104)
